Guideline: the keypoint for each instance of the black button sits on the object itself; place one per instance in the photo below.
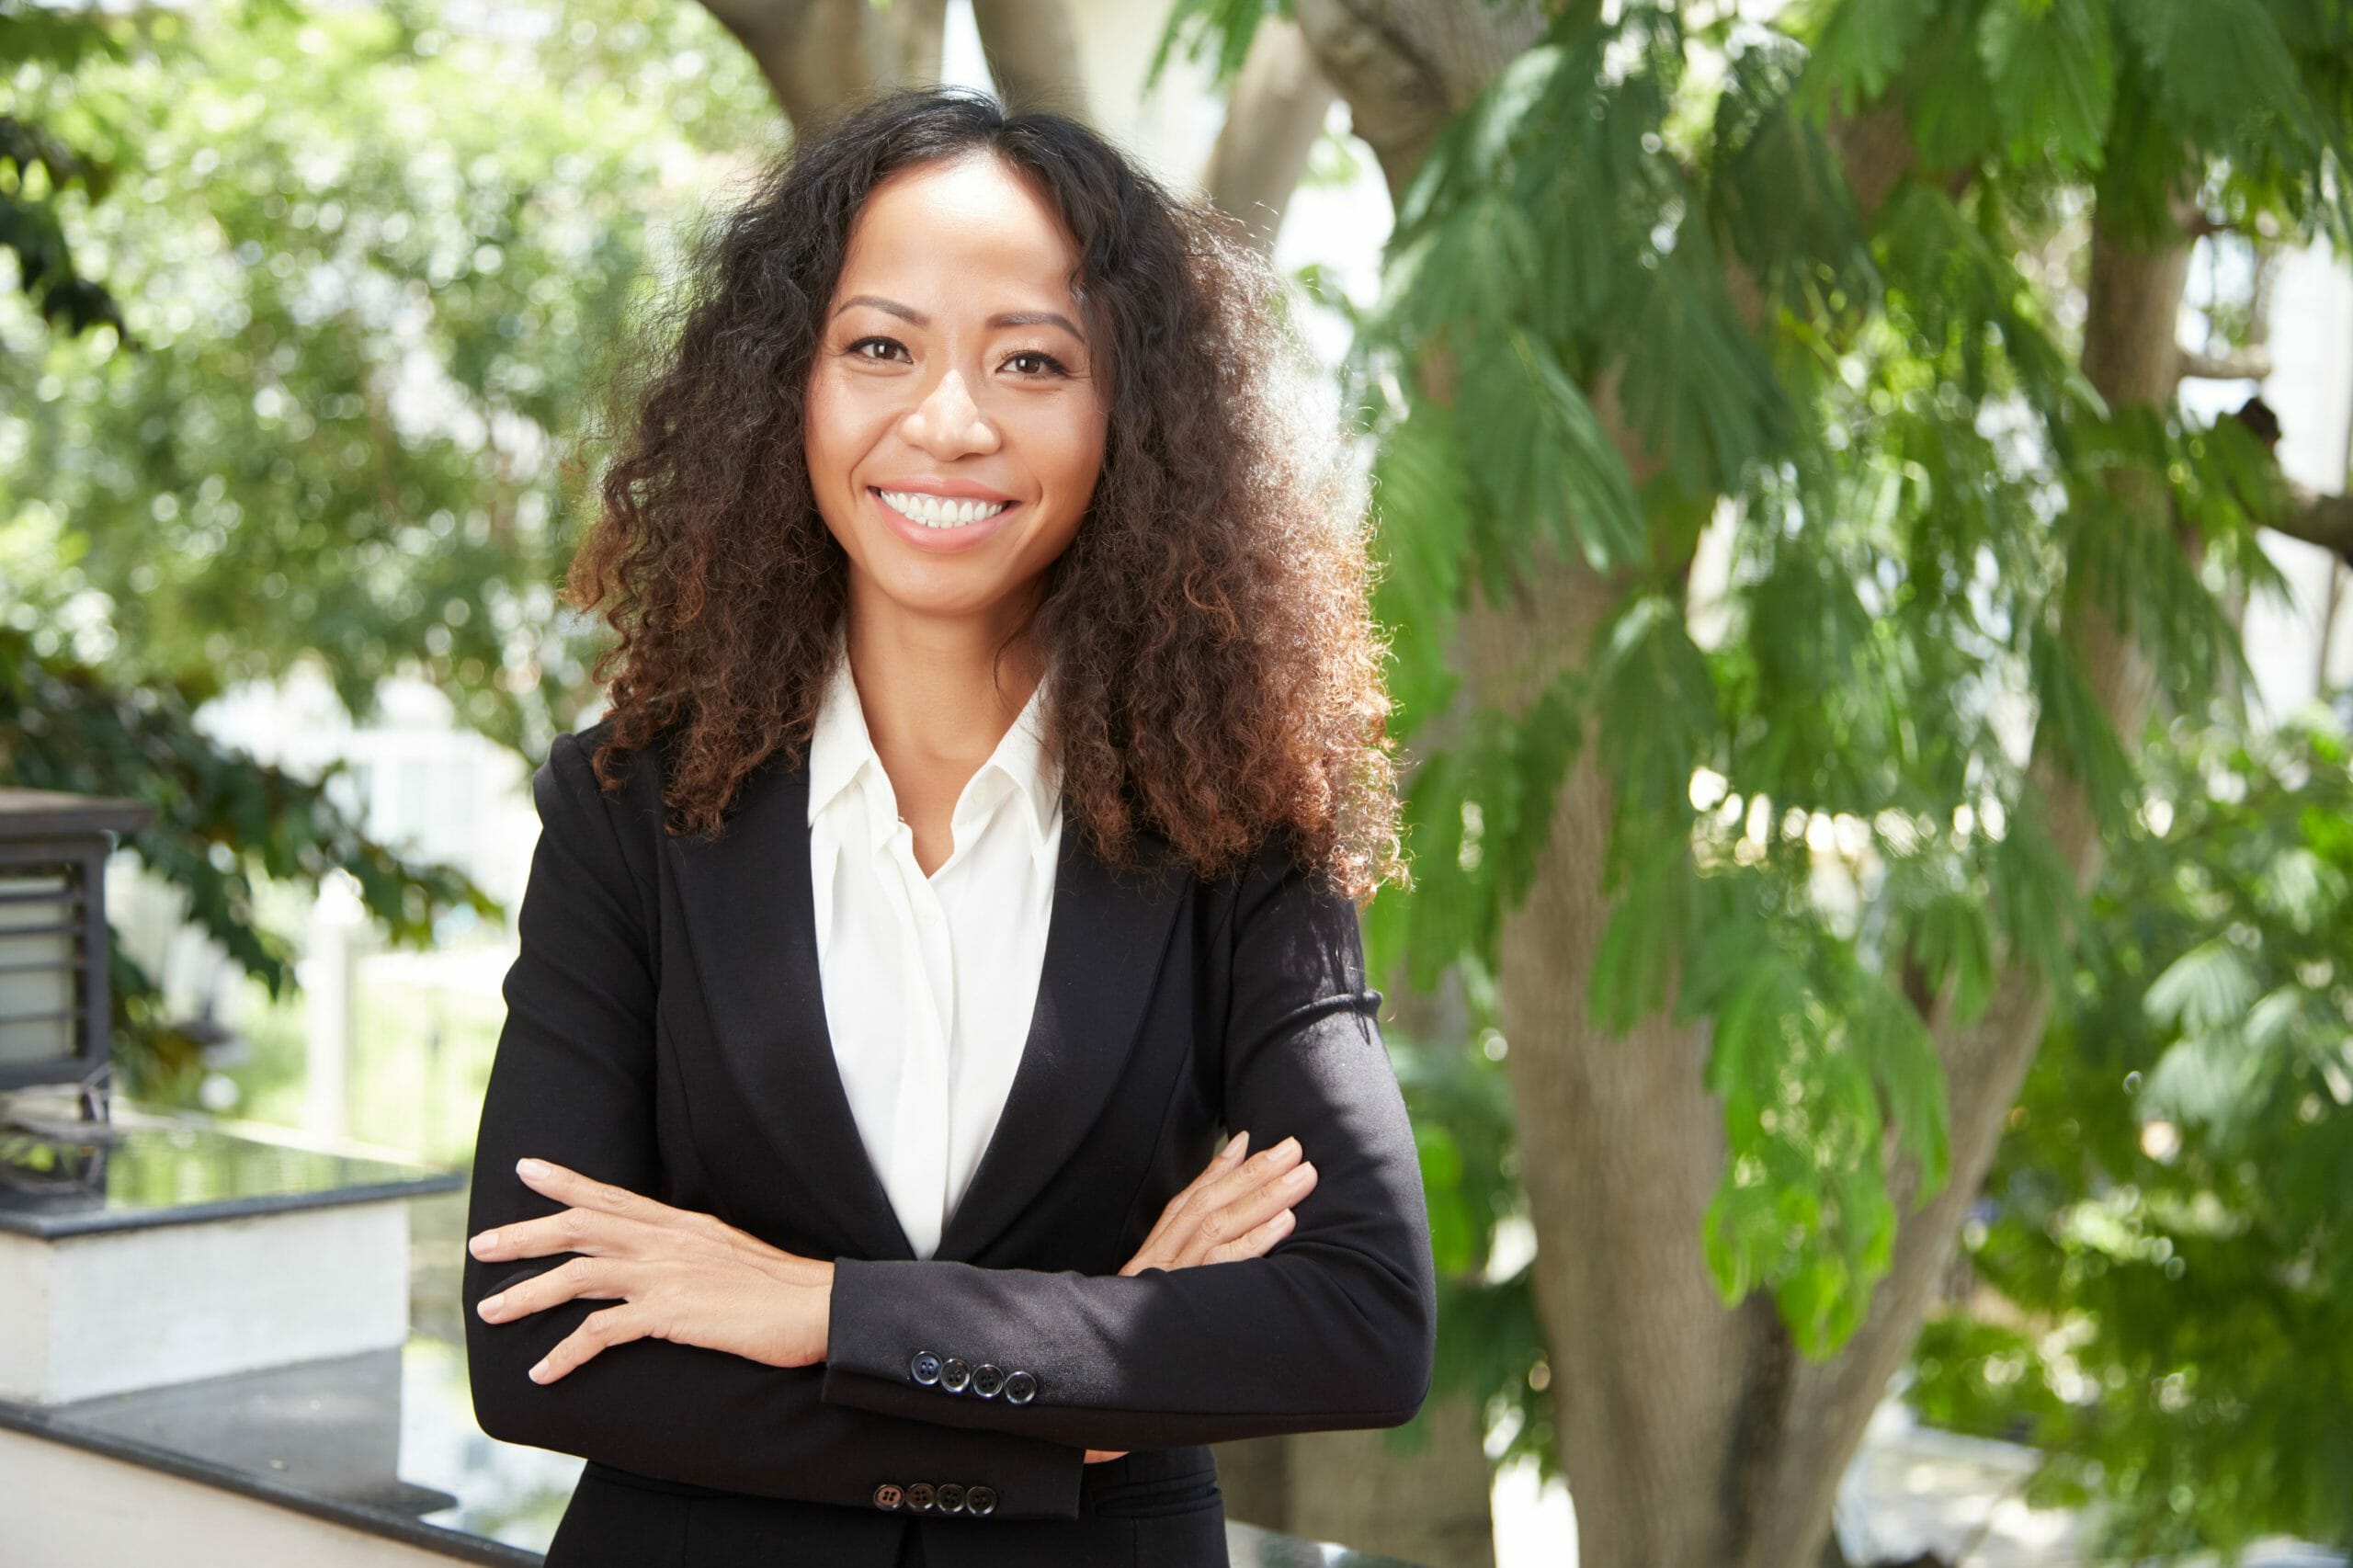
(954, 1376)
(887, 1495)
(980, 1500)
(951, 1498)
(987, 1382)
(925, 1367)
(920, 1496)
(1020, 1388)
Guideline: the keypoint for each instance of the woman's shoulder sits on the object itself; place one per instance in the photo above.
(574, 756)
(568, 782)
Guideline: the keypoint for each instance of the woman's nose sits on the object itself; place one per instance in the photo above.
(947, 423)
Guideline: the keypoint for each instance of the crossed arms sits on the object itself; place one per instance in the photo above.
(1333, 1330)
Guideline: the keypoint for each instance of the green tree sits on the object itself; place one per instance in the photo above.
(2167, 1211)
(1774, 870)
(370, 261)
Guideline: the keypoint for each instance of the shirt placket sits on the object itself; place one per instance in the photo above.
(919, 1137)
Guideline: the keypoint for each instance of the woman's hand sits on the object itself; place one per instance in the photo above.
(1234, 1209)
(689, 1277)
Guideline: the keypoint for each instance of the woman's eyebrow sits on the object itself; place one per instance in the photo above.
(1003, 318)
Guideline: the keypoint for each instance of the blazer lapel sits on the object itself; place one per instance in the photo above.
(1105, 941)
(751, 922)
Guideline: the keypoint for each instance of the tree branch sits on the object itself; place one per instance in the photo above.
(2323, 520)
(2251, 363)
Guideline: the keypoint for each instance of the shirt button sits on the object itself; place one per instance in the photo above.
(887, 1497)
(952, 1498)
(920, 1496)
(954, 1376)
(925, 1367)
(1020, 1388)
(980, 1500)
(987, 1382)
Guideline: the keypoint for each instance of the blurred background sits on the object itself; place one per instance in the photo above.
(1861, 492)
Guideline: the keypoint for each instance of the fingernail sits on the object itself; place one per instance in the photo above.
(1287, 1151)
(539, 1373)
(483, 1243)
(489, 1305)
(1234, 1145)
(1298, 1176)
(531, 1167)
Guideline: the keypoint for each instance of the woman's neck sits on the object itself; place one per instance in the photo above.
(936, 696)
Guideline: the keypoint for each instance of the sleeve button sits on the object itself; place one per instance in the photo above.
(1020, 1388)
(955, 1376)
(925, 1367)
(887, 1497)
(980, 1500)
(920, 1496)
(987, 1380)
(952, 1498)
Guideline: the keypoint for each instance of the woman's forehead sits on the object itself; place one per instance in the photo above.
(966, 230)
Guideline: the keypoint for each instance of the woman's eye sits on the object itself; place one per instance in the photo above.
(1027, 362)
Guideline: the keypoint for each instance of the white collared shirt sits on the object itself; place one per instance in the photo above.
(929, 983)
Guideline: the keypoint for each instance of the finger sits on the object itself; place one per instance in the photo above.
(597, 1332)
(567, 1186)
(1256, 1172)
(1257, 1242)
(590, 1231)
(1182, 1242)
(1220, 1163)
(1246, 1213)
(1172, 1212)
(580, 1277)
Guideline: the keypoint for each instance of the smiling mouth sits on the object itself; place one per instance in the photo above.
(939, 512)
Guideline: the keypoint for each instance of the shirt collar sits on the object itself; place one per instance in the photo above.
(841, 748)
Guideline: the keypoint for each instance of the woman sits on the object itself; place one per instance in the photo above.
(996, 755)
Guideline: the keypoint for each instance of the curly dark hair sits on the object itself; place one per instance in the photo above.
(1216, 669)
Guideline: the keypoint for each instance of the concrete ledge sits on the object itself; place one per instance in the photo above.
(108, 1311)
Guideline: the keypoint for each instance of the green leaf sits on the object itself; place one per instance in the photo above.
(2053, 71)
(2207, 988)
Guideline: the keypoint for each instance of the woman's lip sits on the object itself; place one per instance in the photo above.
(941, 540)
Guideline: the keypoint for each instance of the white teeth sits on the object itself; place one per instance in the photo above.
(938, 511)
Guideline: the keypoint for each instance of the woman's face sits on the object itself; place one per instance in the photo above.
(953, 430)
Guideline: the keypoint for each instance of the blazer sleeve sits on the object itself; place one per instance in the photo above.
(572, 1081)
(1335, 1328)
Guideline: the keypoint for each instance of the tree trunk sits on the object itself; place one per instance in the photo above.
(914, 30)
(1692, 1433)
(1428, 1508)
(1406, 66)
(1032, 55)
(818, 56)
(1280, 101)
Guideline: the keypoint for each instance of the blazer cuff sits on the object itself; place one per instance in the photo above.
(865, 1370)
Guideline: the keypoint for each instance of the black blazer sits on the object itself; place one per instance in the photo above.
(664, 1031)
